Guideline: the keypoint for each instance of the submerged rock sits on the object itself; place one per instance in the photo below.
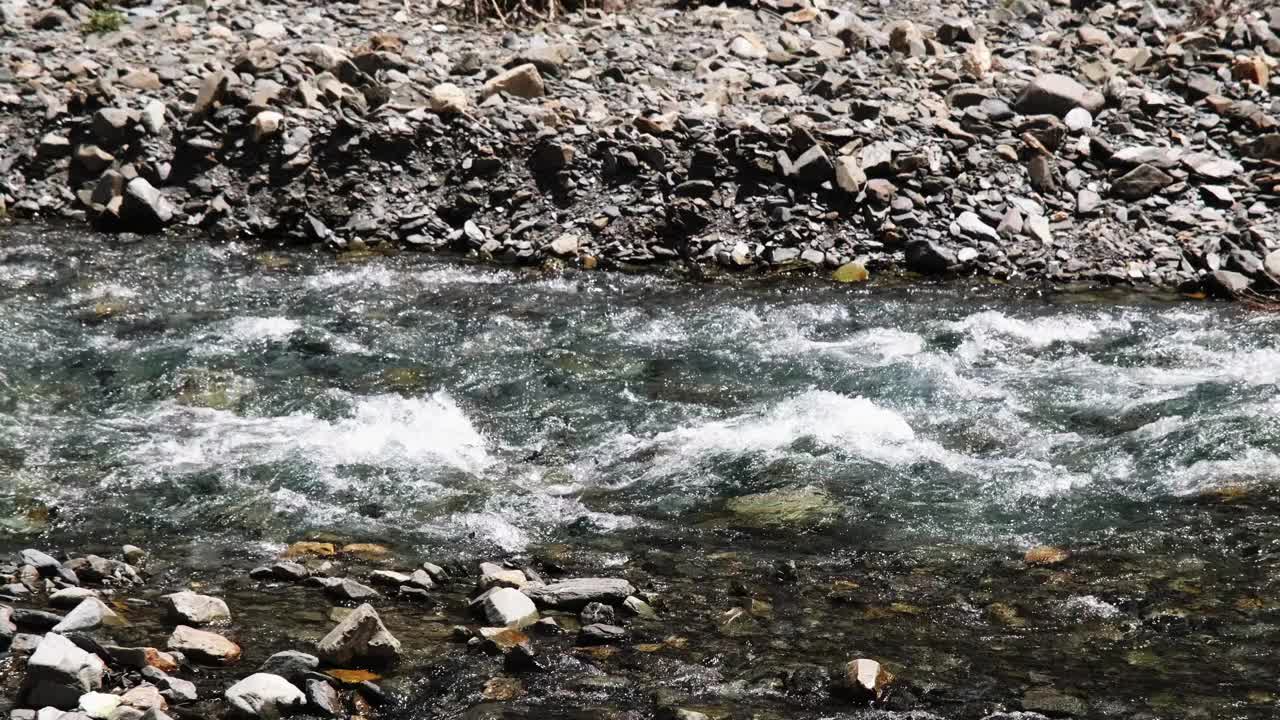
(575, 594)
(360, 638)
(785, 506)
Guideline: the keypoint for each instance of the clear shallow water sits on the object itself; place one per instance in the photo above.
(432, 401)
(218, 401)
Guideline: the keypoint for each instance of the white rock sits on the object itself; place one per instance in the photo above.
(59, 672)
(508, 607)
(263, 695)
(99, 705)
(449, 99)
(195, 609)
(90, 614)
(266, 125)
(360, 637)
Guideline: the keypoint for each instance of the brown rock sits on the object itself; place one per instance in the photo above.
(523, 81)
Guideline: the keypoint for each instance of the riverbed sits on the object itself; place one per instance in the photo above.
(799, 471)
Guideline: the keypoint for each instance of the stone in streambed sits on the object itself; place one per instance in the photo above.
(142, 657)
(506, 607)
(494, 575)
(290, 664)
(59, 672)
(347, 589)
(601, 634)
(99, 705)
(204, 646)
(323, 698)
(90, 614)
(71, 597)
(144, 208)
(575, 594)
(784, 506)
(360, 638)
(195, 609)
(263, 695)
(865, 680)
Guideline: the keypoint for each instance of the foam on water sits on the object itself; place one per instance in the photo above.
(381, 430)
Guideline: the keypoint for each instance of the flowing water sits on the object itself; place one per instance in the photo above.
(904, 446)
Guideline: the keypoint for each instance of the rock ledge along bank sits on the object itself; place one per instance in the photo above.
(1096, 142)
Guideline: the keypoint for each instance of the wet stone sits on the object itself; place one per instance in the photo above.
(601, 634)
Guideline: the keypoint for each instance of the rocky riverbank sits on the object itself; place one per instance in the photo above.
(1107, 142)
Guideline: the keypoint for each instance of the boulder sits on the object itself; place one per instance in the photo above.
(59, 672)
(575, 594)
(865, 680)
(290, 664)
(360, 638)
(1054, 94)
(71, 597)
(522, 81)
(204, 646)
(194, 609)
(506, 607)
(142, 657)
(90, 614)
(144, 207)
(263, 695)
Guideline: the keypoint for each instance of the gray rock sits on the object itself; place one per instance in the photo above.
(59, 672)
(601, 634)
(1226, 283)
(1140, 182)
(194, 609)
(1078, 119)
(289, 571)
(1053, 702)
(928, 258)
(71, 597)
(45, 563)
(595, 612)
(1054, 94)
(360, 638)
(204, 646)
(90, 614)
(8, 629)
(523, 81)
(323, 698)
(639, 608)
(263, 695)
(290, 664)
(144, 207)
(575, 594)
(506, 607)
(111, 125)
(347, 589)
(970, 224)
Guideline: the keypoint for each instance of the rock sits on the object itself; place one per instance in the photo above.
(90, 614)
(1054, 94)
(1140, 182)
(193, 609)
(506, 607)
(59, 672)
(1078, 119)
(8, 629)
(203, 646)
(851, 272)
(348, 589)
(46, 564)
(1211, 166)
(266, 125)
(212, 90)
(880, 191)
(142, 657)
(290, 664)
(522, 81)
(99, 705)
(269, 30)
(928, 258)
(748, 46)
(449, 99)
(263, 695)
(565, 245)
(492, 575)
(970, 224)
(1226, 283)
(639, 608)
(144, 207)
(53, 145)
(1045, 555)
(601, 634)
(849, 175)
(323, 698)
(288, 571)
(1051, 702)
(359, 638)
(111, 125)
(906, 38)
(954, 30)
(595, 612)
(813, 167)
(785, 506)
(575, 594)
(37, 619)
(52, 19)
(71, 597)
(144, 697)
(93, 159)
(175, 690)
(865, 680)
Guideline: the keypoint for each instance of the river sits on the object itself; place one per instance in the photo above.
(903, 445)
